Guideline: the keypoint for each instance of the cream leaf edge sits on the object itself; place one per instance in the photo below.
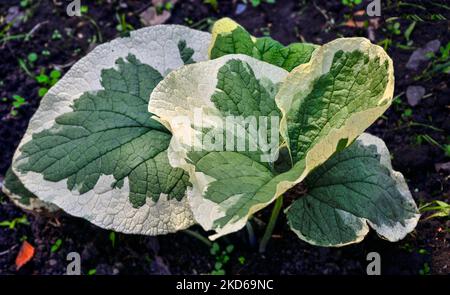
(189, 88)
(398, 232)
(105, 207)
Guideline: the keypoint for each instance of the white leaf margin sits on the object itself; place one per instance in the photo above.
(110, 208)
(188, 89)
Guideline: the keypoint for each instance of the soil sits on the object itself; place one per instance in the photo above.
(287, 21)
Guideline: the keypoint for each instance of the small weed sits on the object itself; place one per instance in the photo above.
(55, 247)
(32, 57)
(439, 209)
(447, 150)
(112, 238)
(12, 224)
(408, 32)
(407, 247)
(439, 63)
(425, 269)
(18, 101)
(47, 81)
(92, 272)
(25, 3)
(422, 251)
(407, 113)
(385, 43)
(214, 4)
(222, 258)
(430, 140)
(56, 35)
(351, 3)
(394, 28)
(24, 66)
(123, 27)
(84, 9)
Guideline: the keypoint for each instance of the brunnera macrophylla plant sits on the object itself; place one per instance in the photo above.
(119, 140)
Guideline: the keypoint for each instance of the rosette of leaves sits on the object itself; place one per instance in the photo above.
(95, 151)
(325, 97)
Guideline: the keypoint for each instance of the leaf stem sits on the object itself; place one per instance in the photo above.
(271, 225)
(199, 237)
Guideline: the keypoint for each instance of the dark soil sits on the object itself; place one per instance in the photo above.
(287, 21)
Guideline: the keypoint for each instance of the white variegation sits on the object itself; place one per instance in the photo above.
(106, 207)
(179, 95)
(399, 231)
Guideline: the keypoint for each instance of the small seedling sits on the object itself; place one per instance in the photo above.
(430, 140)
(214, 4)
(407, 247)
(25, 3)
(394, 28)
(309, 138)
(55, 247)
(56, 35)
(84, 9)
(440, 209)
(92, 272)
(123, 27)
(409, 31)
(385, 43)
(241, 260)
(18, 101)
(12, 224)
(447, 150)
(47, 81)
(23, 65)
(256, 3)
(439, 63)
(422, 251)
(407, 113)
(32, 57)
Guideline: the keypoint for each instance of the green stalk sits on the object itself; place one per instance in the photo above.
(271, 225)
(199, 237)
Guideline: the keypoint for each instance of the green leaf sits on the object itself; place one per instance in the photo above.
(335, 96)
(230, 38)
(325, 104)
(110, 133)
(186, 53)
(13, 187)
(233, 85)
(112, 238)
(353, 189)
(42, 79)
(55, 74)
(93, 149)
(55, 247)
(42, 91)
